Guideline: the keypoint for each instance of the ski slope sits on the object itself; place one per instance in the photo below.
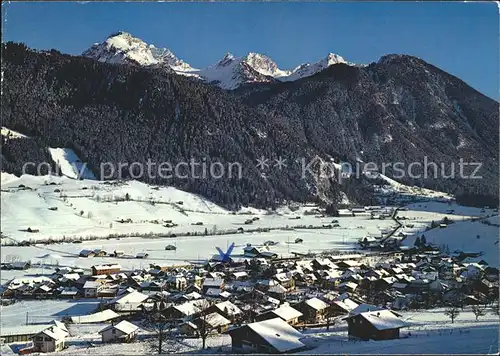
(69, 163)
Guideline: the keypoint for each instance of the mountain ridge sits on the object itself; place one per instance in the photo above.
(229, 73)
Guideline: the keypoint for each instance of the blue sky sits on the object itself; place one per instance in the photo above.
(461, 38)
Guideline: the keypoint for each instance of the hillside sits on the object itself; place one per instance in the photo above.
(126, 113)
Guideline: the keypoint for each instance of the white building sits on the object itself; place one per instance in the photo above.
(50, 340)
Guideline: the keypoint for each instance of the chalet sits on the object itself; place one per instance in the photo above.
(99, 253)
(212, 283)
(312, 309)
(286, 280)
(285, 312)
(251, 251)
(376, 325)
(43, 291)
(50, 340)
(124, 331)
(20, 265)
(212, 322)
(347, 287)
(344, 306)
(68, 292)
(269, 336)
(193, 288)
(91, 289)
(239, 275)
(182, 311)
(213, 292)
(128, 302)
(188, 328)
(86, 253)
(178, 282)
(227, 310)
(105, 269)
(343, 265)
(268, 254)
(277, 291)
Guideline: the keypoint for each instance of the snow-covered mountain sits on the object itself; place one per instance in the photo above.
(122, 47)
(229, 73)
(308, 69)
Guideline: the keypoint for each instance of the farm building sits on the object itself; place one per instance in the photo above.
(86, 253)
(21, 333)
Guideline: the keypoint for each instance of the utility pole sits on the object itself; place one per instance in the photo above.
(26, 318)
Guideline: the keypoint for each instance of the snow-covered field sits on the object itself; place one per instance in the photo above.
(44, 311)
(62, 207)
(431, 332)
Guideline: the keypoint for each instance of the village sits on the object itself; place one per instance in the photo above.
(265, 303)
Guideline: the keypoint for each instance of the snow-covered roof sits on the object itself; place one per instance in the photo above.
(104, 267)
(286, 312)
(240, 274)
(133, 297)
(316, 303)
(124, 326)
(213, 282)
(190, 308)
(346, 304)
(23, 329)
(215, 320)
(362, 308)
(213, 291)
(228, 308)
(55, 333)
(91, 284)
(383, 320)
(98, 317)
(279, 334)
(277, 289)
(193, 295)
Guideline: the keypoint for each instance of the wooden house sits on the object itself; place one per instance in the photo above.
(285, 312)
(105, 269)
(312, 309)
(272, 336)
(375, 325)
(124, 331)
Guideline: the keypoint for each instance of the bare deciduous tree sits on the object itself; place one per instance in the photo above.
(478, 311)
(161, 327)
(204, 322)
(452, 312)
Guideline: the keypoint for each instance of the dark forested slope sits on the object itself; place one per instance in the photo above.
(127, 113)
